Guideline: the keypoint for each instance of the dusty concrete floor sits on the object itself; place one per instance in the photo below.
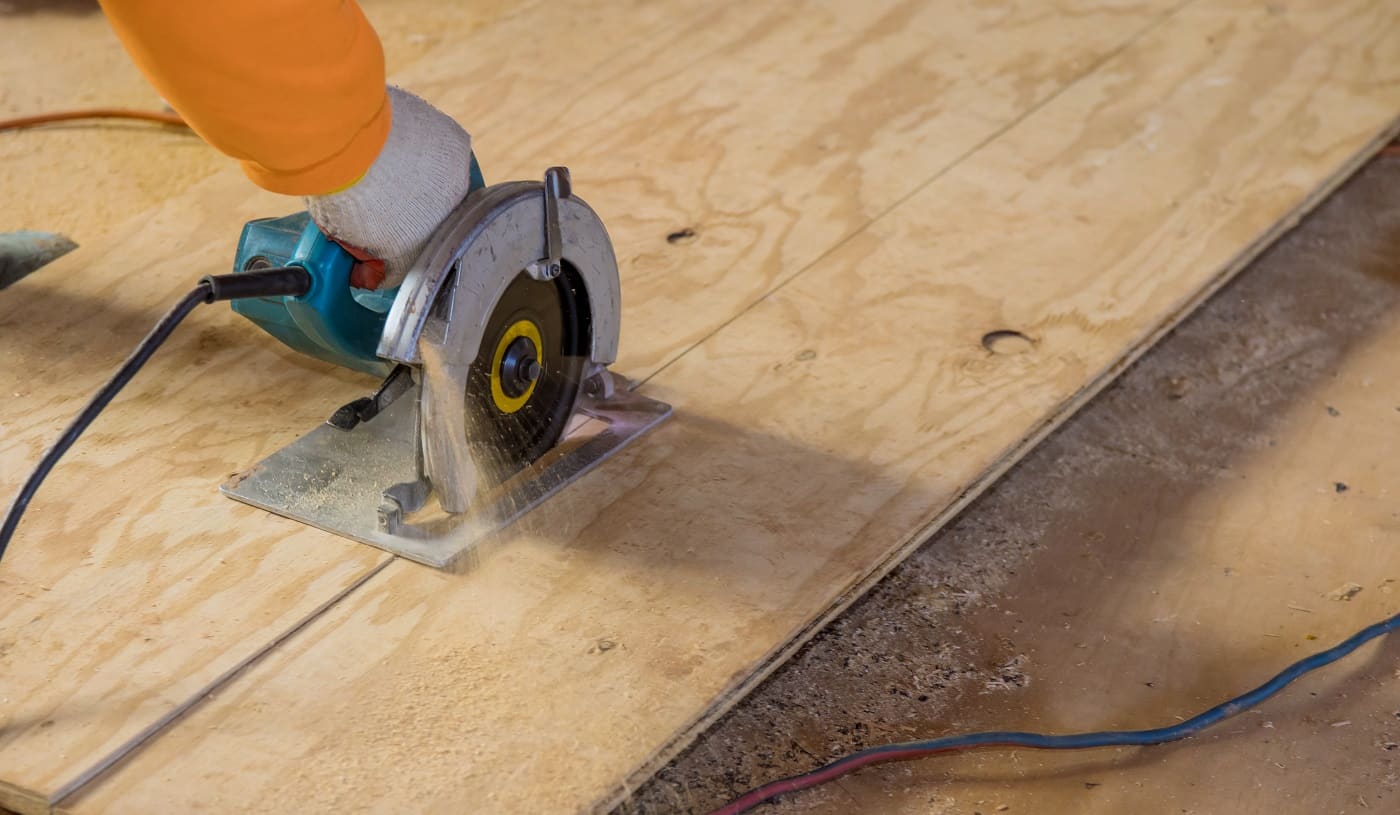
(1076, 594)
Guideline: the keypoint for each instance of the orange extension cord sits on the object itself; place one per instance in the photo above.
(94, 113)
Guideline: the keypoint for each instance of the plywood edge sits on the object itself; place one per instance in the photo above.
(172, 716)
(728, 699)
(23, 801)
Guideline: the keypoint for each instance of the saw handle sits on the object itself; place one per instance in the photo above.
(330, 320)
(326, 320)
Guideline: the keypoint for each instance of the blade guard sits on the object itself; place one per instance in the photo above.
(496, 233)
(452, 289)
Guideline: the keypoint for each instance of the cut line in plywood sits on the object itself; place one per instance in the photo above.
(817, 437)
(141, 588)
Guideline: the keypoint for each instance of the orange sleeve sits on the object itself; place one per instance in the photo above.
(294, 89)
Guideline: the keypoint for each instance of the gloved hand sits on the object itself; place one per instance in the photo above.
(387, 216)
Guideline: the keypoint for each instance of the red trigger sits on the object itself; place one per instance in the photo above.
(369, 272)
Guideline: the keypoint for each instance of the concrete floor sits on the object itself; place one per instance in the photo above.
(1028, 611)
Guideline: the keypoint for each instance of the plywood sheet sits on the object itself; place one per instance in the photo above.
(818, 435)
(772, 135)
(1192, 542)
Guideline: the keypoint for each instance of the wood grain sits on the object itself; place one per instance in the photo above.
(856, 106)
(818, 435)
(1199, 549)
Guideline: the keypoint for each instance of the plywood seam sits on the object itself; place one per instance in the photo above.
(175, 714)
(893, 207)
(999, 468)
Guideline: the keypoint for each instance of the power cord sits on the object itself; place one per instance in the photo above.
(281, 281)
(908, 751)
(160, 117)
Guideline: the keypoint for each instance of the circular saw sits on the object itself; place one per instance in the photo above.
(494, 352)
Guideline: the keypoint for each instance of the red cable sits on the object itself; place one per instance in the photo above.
(784, 786)
(93, 113)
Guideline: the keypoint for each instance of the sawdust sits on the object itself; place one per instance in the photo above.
(397, 769)
(903, 655)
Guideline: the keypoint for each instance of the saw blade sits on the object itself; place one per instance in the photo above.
(525, 380)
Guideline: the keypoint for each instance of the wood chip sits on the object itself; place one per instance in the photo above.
(1345, 592)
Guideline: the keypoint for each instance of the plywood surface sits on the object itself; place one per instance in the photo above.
(1178, 541)
(1084, 194)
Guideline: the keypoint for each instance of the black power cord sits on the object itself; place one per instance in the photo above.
(281, 281)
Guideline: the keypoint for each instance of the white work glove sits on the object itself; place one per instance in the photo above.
(421, 174)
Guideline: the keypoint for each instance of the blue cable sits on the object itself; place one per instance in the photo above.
(905, 751)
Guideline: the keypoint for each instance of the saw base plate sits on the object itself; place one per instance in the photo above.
(334, 479)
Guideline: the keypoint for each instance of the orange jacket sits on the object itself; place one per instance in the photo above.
(294, 89)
